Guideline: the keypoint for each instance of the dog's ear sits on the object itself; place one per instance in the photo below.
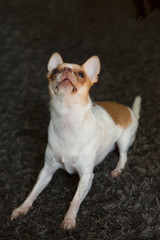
(92, 68)
(54, 61)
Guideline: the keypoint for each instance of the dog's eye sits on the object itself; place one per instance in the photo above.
(81, 74)
(55, 71)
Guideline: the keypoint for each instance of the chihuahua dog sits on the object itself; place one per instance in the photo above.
(81, 133)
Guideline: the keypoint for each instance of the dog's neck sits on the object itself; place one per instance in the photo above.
(66, 107)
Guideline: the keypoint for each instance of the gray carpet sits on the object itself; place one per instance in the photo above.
(129, 48)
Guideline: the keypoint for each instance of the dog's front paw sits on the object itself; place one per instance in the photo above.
(68, 223)
(116, 173)
(19, 212)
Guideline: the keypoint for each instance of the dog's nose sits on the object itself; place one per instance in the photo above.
(67, 69)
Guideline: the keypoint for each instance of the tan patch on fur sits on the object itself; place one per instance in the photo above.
(119, 113)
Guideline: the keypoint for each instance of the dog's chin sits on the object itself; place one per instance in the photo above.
(65, 87)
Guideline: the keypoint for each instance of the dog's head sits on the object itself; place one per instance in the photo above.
(72, 79)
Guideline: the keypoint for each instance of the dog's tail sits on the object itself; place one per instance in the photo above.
(137, 106)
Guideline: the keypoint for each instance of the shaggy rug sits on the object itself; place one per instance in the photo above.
(129, 49)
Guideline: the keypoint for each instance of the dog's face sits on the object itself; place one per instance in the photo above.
(72, 79)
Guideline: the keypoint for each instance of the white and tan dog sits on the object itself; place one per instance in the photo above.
(81, 133)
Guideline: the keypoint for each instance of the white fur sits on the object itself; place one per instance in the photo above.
(79, 137)
(92, 67)
(54, 61)
(136, 106)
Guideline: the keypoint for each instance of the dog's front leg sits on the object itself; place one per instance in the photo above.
(44, 178)
(84, 186)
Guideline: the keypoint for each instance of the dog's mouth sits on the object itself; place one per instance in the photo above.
(66, 83)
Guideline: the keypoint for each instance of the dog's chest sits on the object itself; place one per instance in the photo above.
(69, 162)
(68, 150)
(65, 138)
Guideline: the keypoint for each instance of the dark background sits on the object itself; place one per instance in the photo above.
(126, 36)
